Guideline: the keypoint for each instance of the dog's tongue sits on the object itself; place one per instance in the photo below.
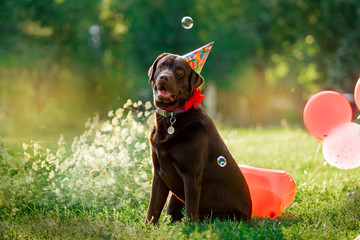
(164, 93)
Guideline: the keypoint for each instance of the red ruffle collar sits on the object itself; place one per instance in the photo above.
(195, 99)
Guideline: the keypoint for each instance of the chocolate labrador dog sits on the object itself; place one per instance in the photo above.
(190, 159)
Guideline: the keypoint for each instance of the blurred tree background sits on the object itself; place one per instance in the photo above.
(62, 61)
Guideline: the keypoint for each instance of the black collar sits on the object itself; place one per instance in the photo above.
(167, 113)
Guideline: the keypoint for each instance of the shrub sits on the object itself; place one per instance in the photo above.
(108, 165)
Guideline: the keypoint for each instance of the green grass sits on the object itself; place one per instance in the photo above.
(326, 206)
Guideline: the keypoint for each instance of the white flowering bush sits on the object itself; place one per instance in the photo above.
(108, 165)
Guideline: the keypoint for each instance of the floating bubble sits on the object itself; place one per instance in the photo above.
(221, 161)
(187, 22)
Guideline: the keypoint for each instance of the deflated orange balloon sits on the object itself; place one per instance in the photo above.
(271, 191)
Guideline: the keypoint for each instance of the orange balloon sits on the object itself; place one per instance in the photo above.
(325, 111)
(357, 94)
(271, 191)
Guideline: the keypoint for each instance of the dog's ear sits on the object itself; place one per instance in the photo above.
(152, 69)
(195, 80)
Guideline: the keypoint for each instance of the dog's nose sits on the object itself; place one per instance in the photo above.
(164, 77)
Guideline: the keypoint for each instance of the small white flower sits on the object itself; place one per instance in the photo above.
(100, 152)
(51, 175)
(57, 192)
(27, 156)
(148, 105)
(63, 167)
(140, 115)
(43, 164)
(119, 112)
(111, 181)
(25, 146)
(115, 121)
(106, 126)
(61, 141)
(129, 140)
(88, 123)
(36, 145)
(128, 103)
(35, 166)
(143, 175)
(147, 113)
(125, 132)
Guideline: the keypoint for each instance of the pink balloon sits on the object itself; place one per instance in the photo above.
(325, 111)
(271, 191)
(357, 94)
(341, 147)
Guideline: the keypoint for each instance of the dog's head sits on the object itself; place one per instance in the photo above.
(173, 81)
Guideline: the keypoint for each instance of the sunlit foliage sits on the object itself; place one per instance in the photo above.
(108, 165)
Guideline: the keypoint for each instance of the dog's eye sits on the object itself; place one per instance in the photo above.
(180, 71)
(162, 65)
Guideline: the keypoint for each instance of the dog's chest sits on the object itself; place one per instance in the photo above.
(168, 163)
(179, 149)
(168, 148)
(163, 144)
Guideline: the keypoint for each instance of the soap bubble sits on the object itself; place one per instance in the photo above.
(221, 161)
(187, 22)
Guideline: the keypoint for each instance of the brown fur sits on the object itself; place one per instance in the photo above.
(185, 163)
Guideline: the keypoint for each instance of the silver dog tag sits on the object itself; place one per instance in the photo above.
(171, 130)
